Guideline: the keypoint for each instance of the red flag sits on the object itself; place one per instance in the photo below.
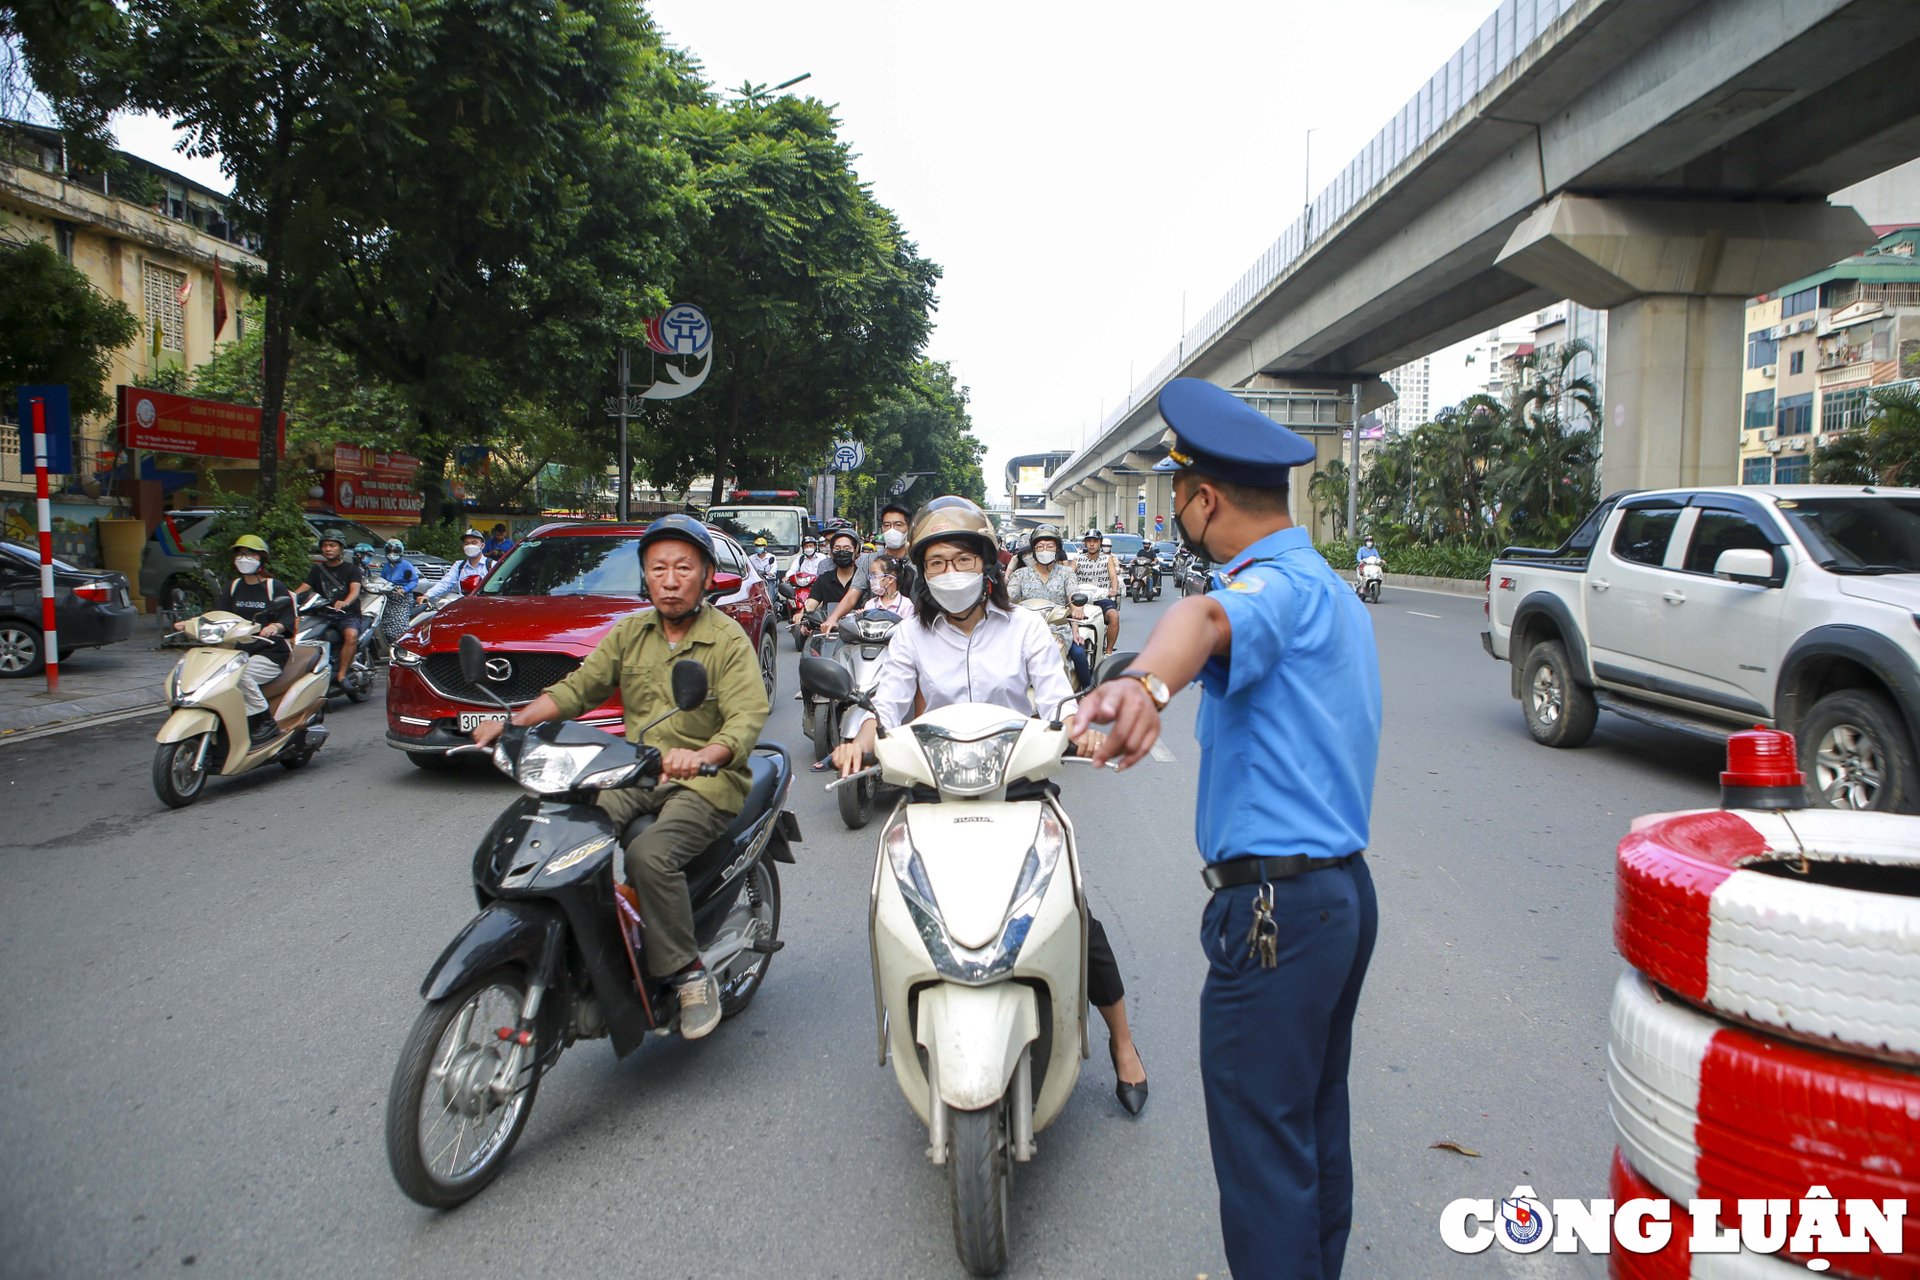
(219, 299)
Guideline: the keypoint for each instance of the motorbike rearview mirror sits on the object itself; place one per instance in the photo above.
(1080, 597)
(825, 678)
(1112, 665)
(689, 684)
(473, 658)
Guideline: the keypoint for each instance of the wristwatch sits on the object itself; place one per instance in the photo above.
(1156, 687)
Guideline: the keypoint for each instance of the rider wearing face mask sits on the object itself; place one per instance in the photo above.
(465, 577)
(252, 592)
(968, 644)
(1046, 578)
(842, 586)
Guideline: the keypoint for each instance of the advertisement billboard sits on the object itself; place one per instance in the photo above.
(380, 487)
(181, 424)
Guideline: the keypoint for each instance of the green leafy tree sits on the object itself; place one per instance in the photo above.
(921, 427)
(1328, 489)
(1884, 451)
(55, 327)
(819, 302)
(1544, 469)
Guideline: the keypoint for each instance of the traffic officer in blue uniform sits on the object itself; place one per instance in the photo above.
(1289, 733)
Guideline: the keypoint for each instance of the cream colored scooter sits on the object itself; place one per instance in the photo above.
(207, 732)
(978, 927)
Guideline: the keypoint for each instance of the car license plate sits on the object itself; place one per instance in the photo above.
(468, 719)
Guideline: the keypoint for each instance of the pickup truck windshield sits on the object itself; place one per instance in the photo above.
(590, 566)
(1861, 535)
(780, 526)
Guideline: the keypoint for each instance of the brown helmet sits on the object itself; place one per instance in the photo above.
(948, 519)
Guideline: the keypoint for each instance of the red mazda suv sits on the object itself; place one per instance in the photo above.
(539, 614)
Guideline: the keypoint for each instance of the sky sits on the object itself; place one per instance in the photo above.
(1086, 175)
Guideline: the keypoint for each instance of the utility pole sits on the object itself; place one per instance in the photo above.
(1353, 470)
(621, 509)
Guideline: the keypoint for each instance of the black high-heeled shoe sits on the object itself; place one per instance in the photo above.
(1133, 1097)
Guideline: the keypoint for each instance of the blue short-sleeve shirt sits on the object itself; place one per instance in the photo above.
(1290, 720)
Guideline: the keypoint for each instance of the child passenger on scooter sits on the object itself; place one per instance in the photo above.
(883, 575)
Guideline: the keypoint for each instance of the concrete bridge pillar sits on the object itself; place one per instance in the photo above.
(1159, 503)
(1100, 491)
(1674, 277)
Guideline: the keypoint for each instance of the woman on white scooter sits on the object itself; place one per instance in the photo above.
(968, 644)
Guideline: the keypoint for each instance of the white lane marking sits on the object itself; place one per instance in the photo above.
(1159, 752)
(1436, 617)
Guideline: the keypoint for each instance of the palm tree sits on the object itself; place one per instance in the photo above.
(1884, 450)
(1328, 489)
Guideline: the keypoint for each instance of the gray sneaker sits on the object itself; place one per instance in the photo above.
(699, 1004)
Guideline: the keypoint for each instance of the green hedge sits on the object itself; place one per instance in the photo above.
(1425, 560)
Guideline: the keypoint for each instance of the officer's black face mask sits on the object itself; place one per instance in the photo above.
(1197, 541)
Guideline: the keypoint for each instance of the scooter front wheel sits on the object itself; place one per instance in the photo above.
(179, 774)
(856, 803)
(979, 1170)
(451, 1120)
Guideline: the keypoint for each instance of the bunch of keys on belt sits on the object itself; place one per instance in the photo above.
(1263, 939)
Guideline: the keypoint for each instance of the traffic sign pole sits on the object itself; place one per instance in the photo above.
(43, 510)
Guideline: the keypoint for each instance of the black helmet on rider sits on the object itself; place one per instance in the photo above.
(678, 528)
(338, 540)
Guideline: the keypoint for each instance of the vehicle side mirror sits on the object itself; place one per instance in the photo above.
(1746, 564)
(825, 678)
(689, 680)
(723, 584)
(1113, 665)
(473, 658)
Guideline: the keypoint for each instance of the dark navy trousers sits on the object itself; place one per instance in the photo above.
(1274, 1048)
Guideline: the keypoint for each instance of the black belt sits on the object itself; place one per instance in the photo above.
(1239, 871)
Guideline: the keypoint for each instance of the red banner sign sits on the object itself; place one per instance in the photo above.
(376, 486)
(181, 424)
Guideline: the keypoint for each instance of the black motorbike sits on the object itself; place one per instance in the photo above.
(1143, 577)
(320, 624)
(558, 950)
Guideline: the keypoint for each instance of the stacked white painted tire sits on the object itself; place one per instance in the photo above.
(1765, 1041)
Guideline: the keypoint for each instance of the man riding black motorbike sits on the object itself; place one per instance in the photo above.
(840, 588)
(690, 810)
(335, 578)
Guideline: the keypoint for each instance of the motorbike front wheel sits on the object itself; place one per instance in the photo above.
(979, 1170)
(824, 719)
(448, 1130)
(856, 803)
(1373, 591)
(179, 774)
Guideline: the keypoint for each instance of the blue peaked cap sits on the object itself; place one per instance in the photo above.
(1217, 432)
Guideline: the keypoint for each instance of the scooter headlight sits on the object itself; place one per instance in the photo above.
(606, 779)
(545, 767)
(209, 685)
(213, 632)
(972, 766)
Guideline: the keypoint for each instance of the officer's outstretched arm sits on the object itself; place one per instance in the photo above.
(1187, 635)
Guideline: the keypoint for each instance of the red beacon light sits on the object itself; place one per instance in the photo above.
(1762, 772)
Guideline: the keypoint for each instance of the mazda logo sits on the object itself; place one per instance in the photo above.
(499, 670)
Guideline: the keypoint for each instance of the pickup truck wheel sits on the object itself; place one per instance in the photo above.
(1560, 710)
(1854, 752)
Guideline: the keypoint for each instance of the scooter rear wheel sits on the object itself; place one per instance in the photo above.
(979, 1171)
(745, 972)
(177, 779)
(446, 1136)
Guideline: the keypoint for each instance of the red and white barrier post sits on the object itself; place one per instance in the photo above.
(44, 512)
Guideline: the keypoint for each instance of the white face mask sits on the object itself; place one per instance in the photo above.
(894, 538)
(956, 592)
(393, 556)
(473, 552)
(247, 565)
(1046, 556)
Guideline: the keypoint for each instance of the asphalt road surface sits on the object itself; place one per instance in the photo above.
(208, 1005)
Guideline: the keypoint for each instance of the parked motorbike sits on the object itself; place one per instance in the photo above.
(1143, 579)
(978, 928)
(863, 647)
(207, 732)
(320, 625)
(797, 590)
(1367, 579)
(558, 950)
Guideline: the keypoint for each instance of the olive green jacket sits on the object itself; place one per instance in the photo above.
(636, 659)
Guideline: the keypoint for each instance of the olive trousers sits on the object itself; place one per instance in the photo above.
(683, 824)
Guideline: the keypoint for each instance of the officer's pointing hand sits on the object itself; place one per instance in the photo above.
(1135, 720)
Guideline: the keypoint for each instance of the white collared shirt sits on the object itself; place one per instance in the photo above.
(1006, 654)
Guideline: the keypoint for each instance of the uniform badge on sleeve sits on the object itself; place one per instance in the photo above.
(1253, 586)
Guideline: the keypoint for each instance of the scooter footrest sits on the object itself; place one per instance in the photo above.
(764, 947)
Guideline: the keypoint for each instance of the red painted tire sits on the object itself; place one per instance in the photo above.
(1705, 904)
(1707, 1110)
(1624, 1183)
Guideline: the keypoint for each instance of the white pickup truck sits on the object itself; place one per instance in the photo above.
(1713, 609)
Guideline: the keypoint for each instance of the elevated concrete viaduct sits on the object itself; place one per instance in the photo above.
(1663, 158)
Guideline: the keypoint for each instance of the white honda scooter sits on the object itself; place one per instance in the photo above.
(1367, 578)
(978, 927)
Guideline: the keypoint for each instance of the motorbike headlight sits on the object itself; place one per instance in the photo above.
(208, 685)
(972, 766)
(606, 779)
(989, 963)
(547, 767)
(213, 632)
(173, 681)
(407, 657)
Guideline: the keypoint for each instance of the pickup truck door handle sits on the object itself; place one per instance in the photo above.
(1598, 584)
(1674, 597)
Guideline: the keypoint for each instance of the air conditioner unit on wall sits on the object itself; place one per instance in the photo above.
(1773, 446)
(1767, 433)
(1805, 326)
(1800, 443)
(1768, 370)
